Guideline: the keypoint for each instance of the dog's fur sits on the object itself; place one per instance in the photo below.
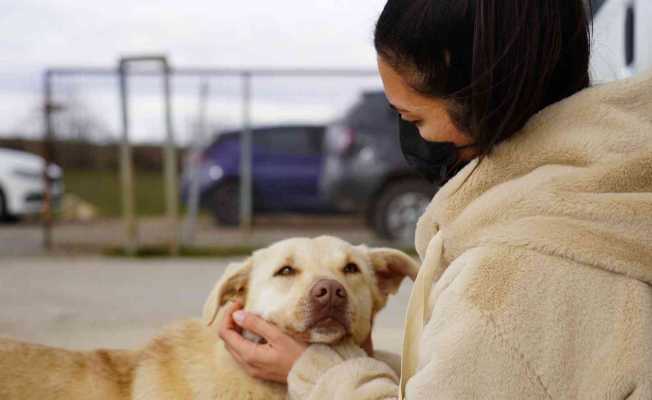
(188, 361)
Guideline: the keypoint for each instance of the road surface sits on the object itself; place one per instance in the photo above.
(89, 302)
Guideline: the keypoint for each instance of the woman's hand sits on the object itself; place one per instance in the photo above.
(271, 361)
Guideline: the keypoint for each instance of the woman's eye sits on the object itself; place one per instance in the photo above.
(351, 268)
(286, 271)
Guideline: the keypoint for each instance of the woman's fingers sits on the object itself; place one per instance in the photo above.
(271, 361)
(229, 308)
(245, 349)
(248, 352)
(227, 326)
(250, 369)
(255, 324)
(229, 333)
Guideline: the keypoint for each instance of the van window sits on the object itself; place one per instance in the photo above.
(305, 141)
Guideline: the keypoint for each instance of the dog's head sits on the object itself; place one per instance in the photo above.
(317, 290)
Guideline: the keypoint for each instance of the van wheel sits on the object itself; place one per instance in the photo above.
(399, 207)
(226, 203)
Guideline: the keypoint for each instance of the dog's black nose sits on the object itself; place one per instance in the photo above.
(328, 292)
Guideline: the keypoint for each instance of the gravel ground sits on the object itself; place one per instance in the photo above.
(88, 302)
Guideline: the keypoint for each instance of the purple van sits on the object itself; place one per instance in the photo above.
(287, 164)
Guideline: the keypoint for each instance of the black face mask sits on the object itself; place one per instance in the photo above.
(435, 161)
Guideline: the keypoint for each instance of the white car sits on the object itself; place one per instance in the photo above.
(22, 189)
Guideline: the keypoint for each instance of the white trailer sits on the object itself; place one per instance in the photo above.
(622, 39)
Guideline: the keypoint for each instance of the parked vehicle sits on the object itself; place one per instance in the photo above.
(287, 163)
(621, 39)
(364, 170)
(21, 184)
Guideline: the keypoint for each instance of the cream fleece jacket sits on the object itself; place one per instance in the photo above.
(536, 277)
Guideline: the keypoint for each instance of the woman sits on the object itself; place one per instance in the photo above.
(537, 256)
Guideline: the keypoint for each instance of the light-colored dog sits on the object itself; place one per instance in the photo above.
(317, 290)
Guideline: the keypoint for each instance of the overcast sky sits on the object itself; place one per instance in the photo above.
(257, 33)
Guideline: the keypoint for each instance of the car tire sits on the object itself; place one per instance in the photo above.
(226, 203)
(4, 215)
(399, 206)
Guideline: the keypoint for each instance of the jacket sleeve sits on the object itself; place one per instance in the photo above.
(343, 371)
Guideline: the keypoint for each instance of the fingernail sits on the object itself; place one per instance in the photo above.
(239, 316)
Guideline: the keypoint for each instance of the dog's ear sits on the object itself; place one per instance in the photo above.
(390, 267)
(232, 286)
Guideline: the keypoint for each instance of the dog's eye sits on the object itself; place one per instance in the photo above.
(351, 268)
(286, 271)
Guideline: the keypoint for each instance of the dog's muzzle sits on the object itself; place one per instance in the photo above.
(328, 303)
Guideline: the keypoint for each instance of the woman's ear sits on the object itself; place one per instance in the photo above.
(231, 287)
(390, 267)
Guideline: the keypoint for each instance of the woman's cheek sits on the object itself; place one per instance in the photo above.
(429, 132)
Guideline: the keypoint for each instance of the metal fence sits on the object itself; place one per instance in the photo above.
(335, 87)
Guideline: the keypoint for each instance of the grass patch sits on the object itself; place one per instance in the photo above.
(159, 251)
(101, 188)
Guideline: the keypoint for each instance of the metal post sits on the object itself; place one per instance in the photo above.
(170, 156)
(246, 156)
(126, 169)
(48, 109)
(195, 165)
(171, 178)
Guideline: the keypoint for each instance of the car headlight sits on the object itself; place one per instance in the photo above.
(215, 172)
(55, 172)
(367, 155)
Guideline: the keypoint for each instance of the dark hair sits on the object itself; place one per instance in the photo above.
(496, 62)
